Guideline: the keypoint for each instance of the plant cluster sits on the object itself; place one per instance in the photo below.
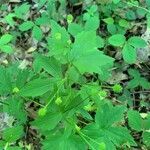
(71, 77)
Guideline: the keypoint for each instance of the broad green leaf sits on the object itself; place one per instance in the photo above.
(37, 33)
(92, 23)
(22, 10)
(5, 39)
(137, 80)
(26, 26)
(134, 73)
(85, 49)
(130, 15)
(43, 20)
(5, 81)
(112, 29)
(9, 19)
(47, 122)
(137, 42)
(135, 120)
(74, 29)
(117, 40)
(36, 87)
(51, 65)
(14, 106)
(6, 48)
(144, 83)
(12, 134)
(133, 83)
(146, 138)
(107, 116)
(129, 54)
(112, 137)
(60, 142)
(22, 77)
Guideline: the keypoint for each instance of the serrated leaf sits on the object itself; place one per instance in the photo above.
(7, 49)
(47, 122)
(137, 42)
(9, 19)
(74, 29)
(12, 134)
(14, 106)
(129, 54)
(5, 39)
(106, 116)
(51, 65)
(36, 87)
(135, 120)
(92, 23)
(26, 26)
(22, 10)
(85, 49)
(60, 142)
(146, 138)
(117, 40)
(37, 33)
(5, 81)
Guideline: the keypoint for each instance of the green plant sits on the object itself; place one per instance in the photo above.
(64, 93)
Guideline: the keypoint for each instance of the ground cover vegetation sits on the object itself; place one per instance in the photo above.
(74, 75)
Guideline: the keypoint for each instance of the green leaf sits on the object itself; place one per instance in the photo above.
(5, 39)
(7, 49)
(47, 122)
(116, 1)
(74, 29)
(50, 65)
(130, 15)
(124, 23)
(133, 83)
(107, 116)
(137, 42)
(84, 51)
(12, 134)
(14, 106)
(100, 42)
(58, 41)
(129, 54)
(37, 33)
(36, 87)
(144, 83)
(9, 19)
(5, 81)
(92, 23)
(109, 20)
(22, 10)
(135, 120)
(61, 142)
(26, 26)
(146, 138)
(117, 40)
